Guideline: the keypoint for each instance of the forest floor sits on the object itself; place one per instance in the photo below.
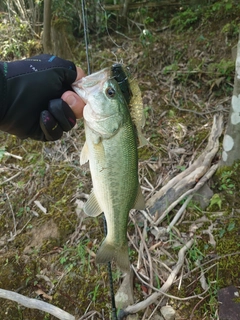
(47, 245)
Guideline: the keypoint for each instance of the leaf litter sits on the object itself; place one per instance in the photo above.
(173, 263)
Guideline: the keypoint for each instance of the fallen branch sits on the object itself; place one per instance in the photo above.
(36, 304)
(137, 5)
(153, 297)
(187, 179)
(12, 155)
(198, 186)
(200, 296)
(179, 213)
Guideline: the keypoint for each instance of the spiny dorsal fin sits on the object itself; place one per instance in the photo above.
(136, 109)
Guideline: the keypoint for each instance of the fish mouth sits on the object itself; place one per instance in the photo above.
(90, 84)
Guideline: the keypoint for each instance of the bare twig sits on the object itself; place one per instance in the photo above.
(200, 183)
(11, 178)
(188, 179)
(12, 155)
(179, 213)
(36, 304)
(13, 216)
(200, 296)
(153, 297)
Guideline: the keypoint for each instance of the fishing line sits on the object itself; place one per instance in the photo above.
(106, 26)
(114, 309)
(85, 27)
(108, 33)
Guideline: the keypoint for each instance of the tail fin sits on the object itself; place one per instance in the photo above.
(108, 252)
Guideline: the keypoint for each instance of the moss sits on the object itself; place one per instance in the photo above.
(227, 248)
(144, 153)
(56, 181)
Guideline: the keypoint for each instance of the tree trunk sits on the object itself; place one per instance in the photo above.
(126, 4)
(231, 141)
(60, 40)
(47, 14)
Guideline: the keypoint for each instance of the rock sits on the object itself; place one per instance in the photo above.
(168, 313)
(132, 317)
(229, 308)
(157, 317)
(203, 196)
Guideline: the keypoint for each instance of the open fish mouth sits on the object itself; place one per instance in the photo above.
(91, 83)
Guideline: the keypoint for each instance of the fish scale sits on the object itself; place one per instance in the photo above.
(111, 148)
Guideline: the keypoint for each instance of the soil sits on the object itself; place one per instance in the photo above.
(186, 74)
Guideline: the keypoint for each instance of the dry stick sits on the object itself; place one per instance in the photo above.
(140, 252)
(36, 304)
(13, 216)
(90, 314)
(156, 308)
(179, 213)
(203, 280)
(143, 236)
(12, 155)
(19, 231)
(147, 216)
(11, 178)
(200, 296)
(202, 273)
(210, 261)
(200, 183)
(195, 307)
(152, 298)
(177, 186)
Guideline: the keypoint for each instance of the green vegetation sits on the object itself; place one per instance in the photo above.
(185, 71)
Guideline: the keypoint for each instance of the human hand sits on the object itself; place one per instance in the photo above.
(38, 101)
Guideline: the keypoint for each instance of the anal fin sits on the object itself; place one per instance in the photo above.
(92, 207)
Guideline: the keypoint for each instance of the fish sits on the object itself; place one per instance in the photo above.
(111, 149)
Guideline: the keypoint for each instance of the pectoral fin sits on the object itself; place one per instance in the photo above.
(84, 156)
(91, 207)
(139, 202)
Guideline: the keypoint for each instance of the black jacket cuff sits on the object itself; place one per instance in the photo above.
(3, 92)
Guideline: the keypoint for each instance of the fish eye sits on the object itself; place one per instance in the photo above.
(110, 92)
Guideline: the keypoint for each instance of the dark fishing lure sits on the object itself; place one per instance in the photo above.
(120, 76)
(132, 95)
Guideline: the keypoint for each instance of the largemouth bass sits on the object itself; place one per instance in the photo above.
(111, 149)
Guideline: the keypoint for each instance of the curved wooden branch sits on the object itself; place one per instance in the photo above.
(153, 297)
(187, 179)
(36, 304)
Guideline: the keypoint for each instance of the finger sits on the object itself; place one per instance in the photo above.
(80, 74)
(62, 113)
(74, 102)
(49, 126)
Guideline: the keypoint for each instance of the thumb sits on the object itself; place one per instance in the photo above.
(74, 102)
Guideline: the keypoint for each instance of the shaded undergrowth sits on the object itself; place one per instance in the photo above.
(47, 245)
